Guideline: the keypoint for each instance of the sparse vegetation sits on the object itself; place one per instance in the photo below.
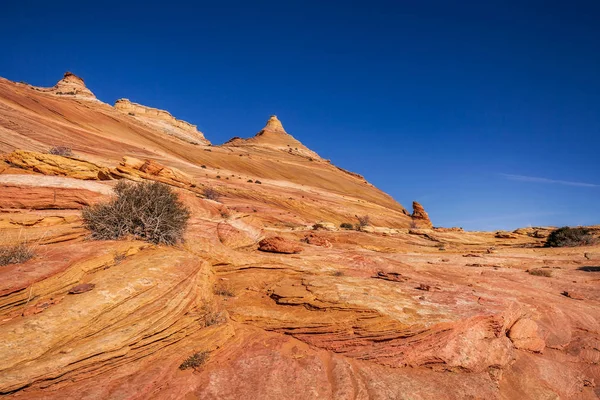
(363, 221)
(318, 226)
(540, 272)
(224, 289)
(211, 194)
(338, 273)
(346, 225)
(569, 237)
(250, 181)
(212, 315)
(257, 181)
(118, 257)
(61, 151)
(15, 254)
(195, 361)
(148, 211)
(203, 166)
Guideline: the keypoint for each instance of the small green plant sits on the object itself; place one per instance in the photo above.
(540, 272)
(195, 361)
(15, 254)
(569, 237)
(148, 211)
(346, 225)
(61, 151)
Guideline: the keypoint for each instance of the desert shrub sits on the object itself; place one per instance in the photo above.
(257, 181)
(211, 194)
(15, 254)
(195, 361)
(212, 315)
(346, 225)
(61, 151)
(203, 166)
(569, 237)
(318, 226)
(250, 181)
(224, 289)
(149, 211)
(364, 220)
(540, 272)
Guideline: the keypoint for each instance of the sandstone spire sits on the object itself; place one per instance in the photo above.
(420, 217)
(72, 85)
(273, 125)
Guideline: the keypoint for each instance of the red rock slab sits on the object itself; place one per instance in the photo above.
(278, 244)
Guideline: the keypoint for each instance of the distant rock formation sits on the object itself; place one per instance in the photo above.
(273, 135)
(163, 120)
(69, 85)
(420, 217)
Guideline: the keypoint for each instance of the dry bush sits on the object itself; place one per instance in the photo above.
(223, 289)
(540, 272)
(363, 221)
(148, 211)
(61, 151)
(195, 361)
(569, 237)
(346, 225)
(15, 254)
(212, 315)
(210, 194)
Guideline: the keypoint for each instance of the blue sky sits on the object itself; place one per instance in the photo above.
(488, 113)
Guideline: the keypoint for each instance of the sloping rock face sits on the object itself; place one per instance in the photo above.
(162, 119)
(50, 164)
(392, 313)
(420, 217)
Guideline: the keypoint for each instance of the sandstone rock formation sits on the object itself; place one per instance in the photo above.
(69, 86)
(274, 136)
(278, 244)
(419, 216)
(163, 120)
(377, 314)
(50, 164)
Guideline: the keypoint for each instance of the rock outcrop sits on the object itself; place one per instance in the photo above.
(50, 164)
(69, 86)
(273, 135)
(419, 216)
(278, 244)
(163, 120)
(392, 313)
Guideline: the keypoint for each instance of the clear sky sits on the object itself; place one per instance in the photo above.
(486, 112)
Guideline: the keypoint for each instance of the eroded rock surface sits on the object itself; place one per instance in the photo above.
(390, 312)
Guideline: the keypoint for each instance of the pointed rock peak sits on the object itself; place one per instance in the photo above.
(72, 85)
(273, 125)
(420, 217)
(71, 77)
